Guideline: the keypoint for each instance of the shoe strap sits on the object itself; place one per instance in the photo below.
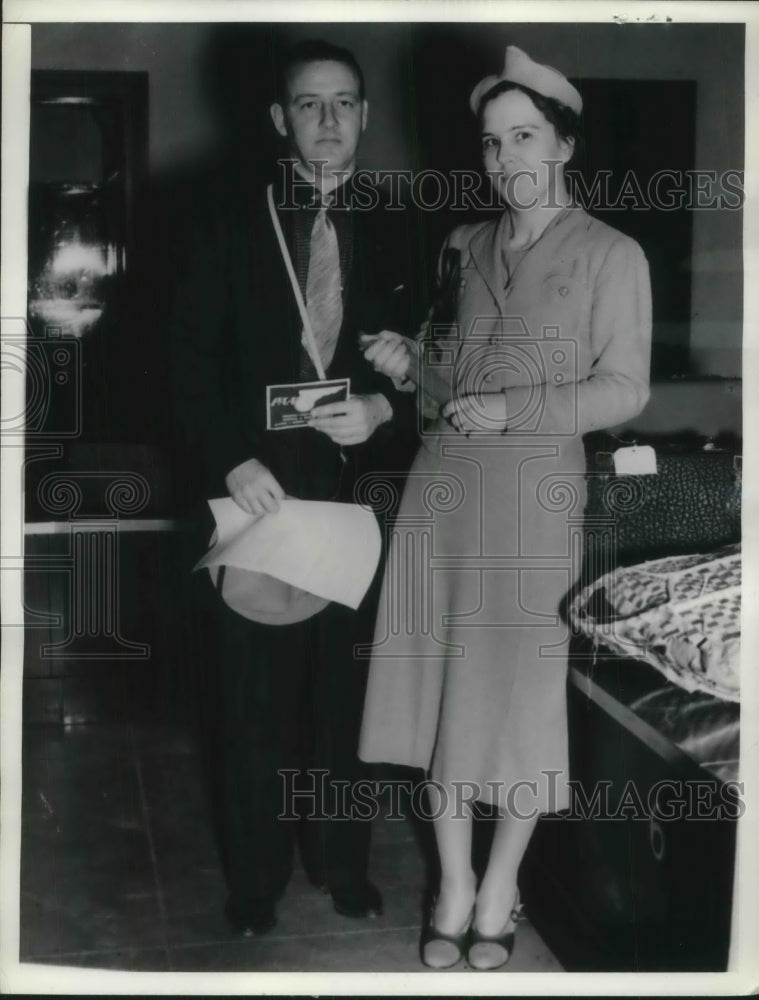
(516, 914)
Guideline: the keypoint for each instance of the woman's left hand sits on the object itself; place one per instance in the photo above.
(485, 411)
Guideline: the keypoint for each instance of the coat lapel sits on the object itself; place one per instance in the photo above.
(275, 300)
(485, 248)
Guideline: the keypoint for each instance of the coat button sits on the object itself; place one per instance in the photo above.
(563, 290)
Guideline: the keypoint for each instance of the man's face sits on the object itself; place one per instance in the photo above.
(324, 116)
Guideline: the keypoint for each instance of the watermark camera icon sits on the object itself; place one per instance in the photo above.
(50, 370)
(501, 352)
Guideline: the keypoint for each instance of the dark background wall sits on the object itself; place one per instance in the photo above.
(184, 63)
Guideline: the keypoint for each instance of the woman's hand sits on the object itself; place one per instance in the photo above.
(485, 411)
(390, 353)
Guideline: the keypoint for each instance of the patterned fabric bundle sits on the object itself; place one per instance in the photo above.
(681, 615)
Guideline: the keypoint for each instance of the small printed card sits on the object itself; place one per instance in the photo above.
(290, 405)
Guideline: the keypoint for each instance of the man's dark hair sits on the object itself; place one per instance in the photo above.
(566, 122)
(314, 50)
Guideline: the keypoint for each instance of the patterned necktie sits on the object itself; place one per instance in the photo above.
(324, 300)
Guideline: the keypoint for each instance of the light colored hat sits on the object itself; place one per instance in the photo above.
(263, 598)
(285, 567)
(545, 80)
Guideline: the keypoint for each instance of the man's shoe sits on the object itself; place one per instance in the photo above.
(252, 921)
(361, 899)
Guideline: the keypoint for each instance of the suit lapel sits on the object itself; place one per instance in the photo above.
(276, 313)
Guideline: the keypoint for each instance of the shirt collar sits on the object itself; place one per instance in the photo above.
(307, 195)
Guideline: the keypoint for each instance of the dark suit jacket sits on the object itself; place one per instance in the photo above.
(236, 329)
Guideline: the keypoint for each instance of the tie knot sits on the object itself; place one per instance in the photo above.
(322, 222)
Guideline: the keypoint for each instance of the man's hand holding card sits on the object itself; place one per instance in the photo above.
(352, 421)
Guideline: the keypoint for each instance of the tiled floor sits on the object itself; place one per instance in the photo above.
(119, 869)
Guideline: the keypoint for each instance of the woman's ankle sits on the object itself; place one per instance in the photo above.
(493, 907)
(458, 884)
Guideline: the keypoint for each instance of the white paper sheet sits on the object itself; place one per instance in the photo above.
(328, 549)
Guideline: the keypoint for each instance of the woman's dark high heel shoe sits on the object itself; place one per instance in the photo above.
(492, 951)
(443, 951)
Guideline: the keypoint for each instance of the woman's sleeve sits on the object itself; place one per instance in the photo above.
(617, 386)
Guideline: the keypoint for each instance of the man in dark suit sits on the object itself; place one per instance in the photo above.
(290, 696)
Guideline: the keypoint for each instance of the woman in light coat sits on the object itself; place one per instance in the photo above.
(469, 663)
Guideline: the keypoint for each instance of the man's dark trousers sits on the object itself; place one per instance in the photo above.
(289, 699)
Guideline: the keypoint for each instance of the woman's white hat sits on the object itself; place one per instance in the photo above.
(545, 80)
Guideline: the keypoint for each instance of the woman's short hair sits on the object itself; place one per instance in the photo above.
(566, 121)
(315, 50)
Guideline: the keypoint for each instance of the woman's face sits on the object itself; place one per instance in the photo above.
(523, 156)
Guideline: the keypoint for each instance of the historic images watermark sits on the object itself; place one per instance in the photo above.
(472, 190)
(313, 795)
